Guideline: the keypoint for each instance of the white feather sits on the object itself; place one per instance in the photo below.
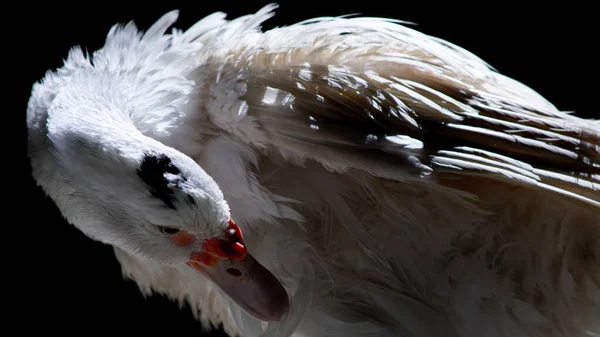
(409, 237)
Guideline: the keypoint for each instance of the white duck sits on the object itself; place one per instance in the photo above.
(387, 183)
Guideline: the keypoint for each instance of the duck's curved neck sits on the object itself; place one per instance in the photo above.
(82, 139)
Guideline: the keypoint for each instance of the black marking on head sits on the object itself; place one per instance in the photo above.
(153, 172)
(191, 200)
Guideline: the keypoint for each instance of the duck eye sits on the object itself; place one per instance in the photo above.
(169, 230)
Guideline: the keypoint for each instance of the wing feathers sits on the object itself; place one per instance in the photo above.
(319, 86)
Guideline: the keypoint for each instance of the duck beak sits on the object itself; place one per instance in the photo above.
(225, 261)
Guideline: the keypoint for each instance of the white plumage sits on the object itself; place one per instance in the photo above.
(393, 183)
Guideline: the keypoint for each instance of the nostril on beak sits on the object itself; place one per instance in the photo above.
(234, 272)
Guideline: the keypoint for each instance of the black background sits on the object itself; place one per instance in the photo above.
(66, 283)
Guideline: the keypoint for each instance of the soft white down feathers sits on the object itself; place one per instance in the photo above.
(395, 183)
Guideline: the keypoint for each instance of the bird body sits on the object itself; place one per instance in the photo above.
(393, 183)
